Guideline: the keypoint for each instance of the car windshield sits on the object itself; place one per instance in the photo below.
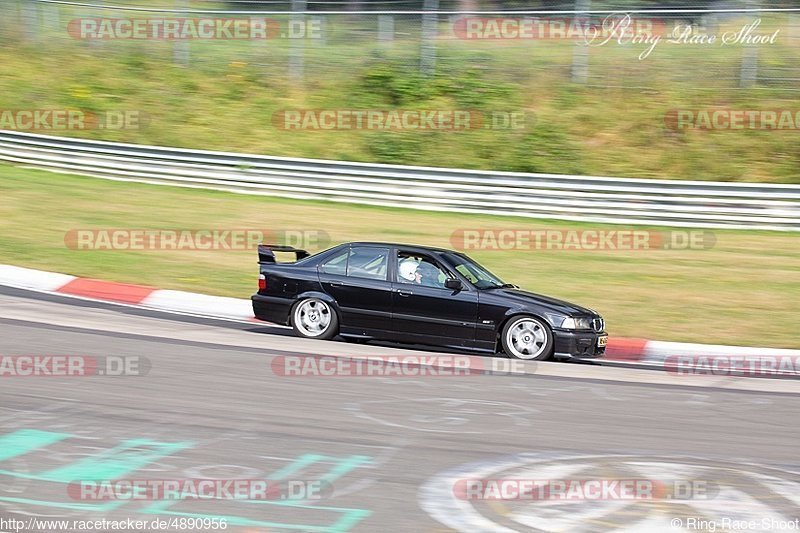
(475, 273)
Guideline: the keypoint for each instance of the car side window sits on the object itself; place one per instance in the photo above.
(336, 264)
(419, 270)
(367, 262)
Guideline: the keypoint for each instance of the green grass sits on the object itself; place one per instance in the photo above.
(225, 99)
(742, 291)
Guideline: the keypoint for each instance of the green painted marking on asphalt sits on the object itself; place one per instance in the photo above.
(348, 519)
(343, 466)
(97, 507)
(27, 440)
(159, 507)
(132, 455)
(110, 464)
(296, 465)
(129, 456)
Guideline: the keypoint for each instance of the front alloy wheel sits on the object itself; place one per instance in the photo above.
(314, 319)
(527, 338)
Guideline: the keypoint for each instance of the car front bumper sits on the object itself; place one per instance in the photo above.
(578, 344)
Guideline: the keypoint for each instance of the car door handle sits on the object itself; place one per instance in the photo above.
(336, 284)
(403, 292)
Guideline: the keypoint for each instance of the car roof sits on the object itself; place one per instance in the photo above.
(416, 247)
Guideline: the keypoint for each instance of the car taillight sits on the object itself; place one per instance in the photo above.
(262, 282)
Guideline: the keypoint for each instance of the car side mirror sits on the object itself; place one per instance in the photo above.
(453, 283)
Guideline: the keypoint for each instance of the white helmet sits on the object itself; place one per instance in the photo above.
(408, 269)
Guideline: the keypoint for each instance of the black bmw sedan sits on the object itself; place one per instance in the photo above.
(420, 295)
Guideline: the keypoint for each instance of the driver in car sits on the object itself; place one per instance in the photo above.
(429, 275)
(409, 271)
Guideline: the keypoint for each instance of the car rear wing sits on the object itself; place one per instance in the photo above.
(266, 252)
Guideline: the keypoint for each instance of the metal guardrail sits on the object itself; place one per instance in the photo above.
(547, 196)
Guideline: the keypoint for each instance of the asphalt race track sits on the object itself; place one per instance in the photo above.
(390, 450)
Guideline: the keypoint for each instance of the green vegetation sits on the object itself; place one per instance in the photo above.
(742, 291)
(227, 95)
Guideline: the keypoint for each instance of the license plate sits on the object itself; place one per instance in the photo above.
(602, 341)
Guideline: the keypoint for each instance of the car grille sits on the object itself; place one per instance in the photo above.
(598, 324)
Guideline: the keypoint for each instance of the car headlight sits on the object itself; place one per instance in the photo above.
(577, 323)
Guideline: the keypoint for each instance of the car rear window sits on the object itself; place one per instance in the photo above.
(368, 262)
(336, 264)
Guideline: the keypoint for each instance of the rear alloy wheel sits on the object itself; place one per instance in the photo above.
(314, 319)
(528, 338)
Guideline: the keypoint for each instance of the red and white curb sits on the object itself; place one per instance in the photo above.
(619, 349)
(660, 353)
(180, 302)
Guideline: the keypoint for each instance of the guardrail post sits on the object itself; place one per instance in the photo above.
(100, 13)
(254, 21)
(8, 16)
(296, 46)
(385, 28)
(429, 29)
(794, 27)
(30, 20)
(749, 71)
(580, 54)
(52, 18)
(322, 40)
(180, 48)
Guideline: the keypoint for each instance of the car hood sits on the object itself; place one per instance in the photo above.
(552, 304)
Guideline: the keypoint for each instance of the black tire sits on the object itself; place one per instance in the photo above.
(313, 318)
(534, 339)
